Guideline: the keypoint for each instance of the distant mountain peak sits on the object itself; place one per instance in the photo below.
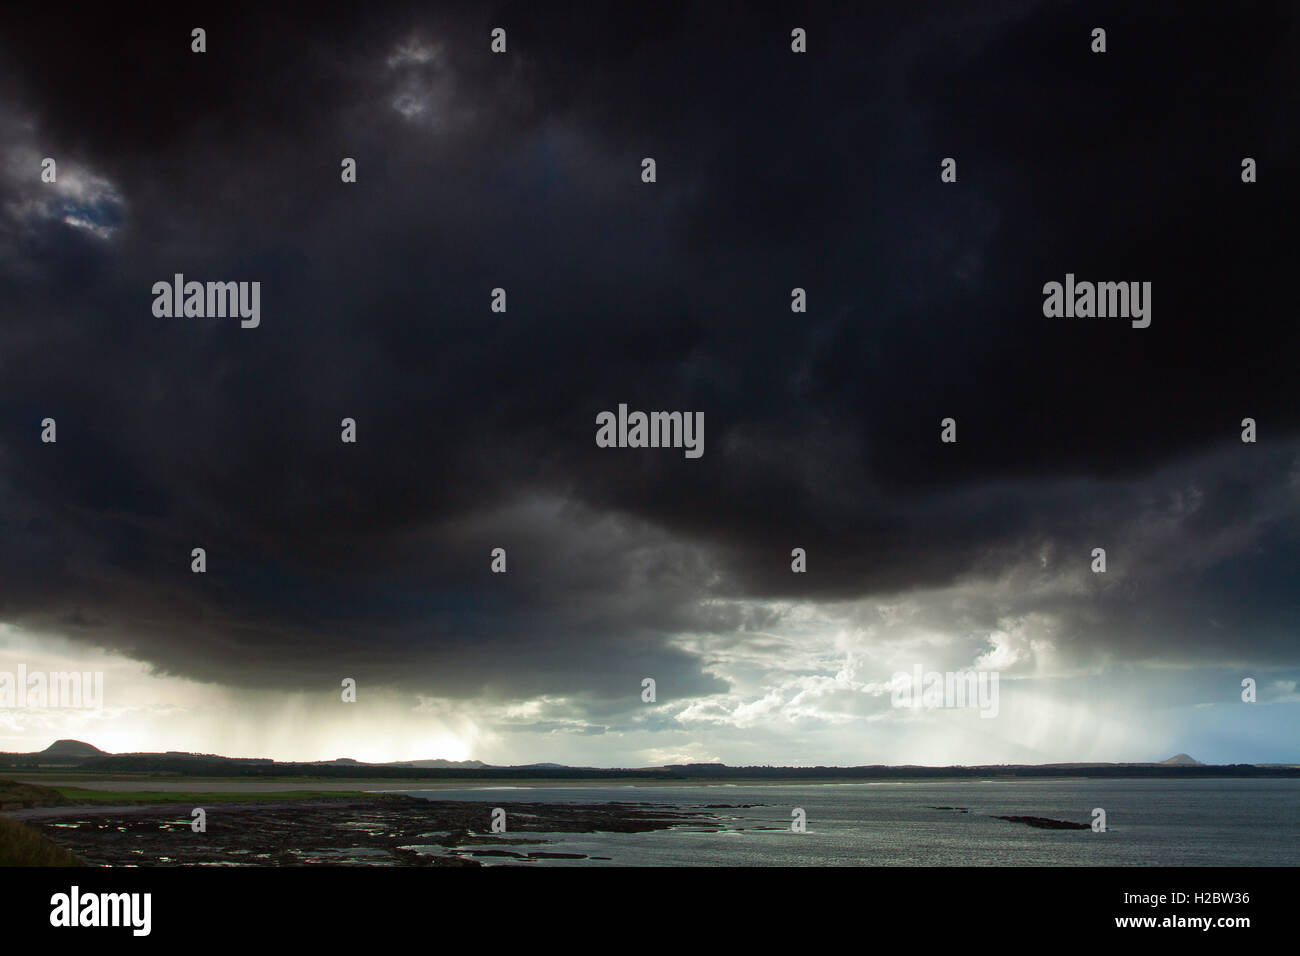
(1181, 760)
(71, 748)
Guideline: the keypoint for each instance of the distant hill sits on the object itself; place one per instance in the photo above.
(72, 748)
(84, 757)
(541, 766)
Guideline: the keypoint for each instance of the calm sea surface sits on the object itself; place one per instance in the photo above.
(1150, 823)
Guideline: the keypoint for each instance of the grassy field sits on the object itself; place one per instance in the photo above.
(20, 845)
(16, 795)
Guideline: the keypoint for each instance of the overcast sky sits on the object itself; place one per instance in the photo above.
(475, 429)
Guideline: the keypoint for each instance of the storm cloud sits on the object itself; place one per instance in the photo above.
(476, 428)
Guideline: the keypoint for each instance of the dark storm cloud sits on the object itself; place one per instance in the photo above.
(476, 429)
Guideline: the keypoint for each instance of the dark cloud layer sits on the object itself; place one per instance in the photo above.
(476, 429)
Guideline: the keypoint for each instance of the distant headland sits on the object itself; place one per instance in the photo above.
(77, 756)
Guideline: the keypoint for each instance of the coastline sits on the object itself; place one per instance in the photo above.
(386, 830)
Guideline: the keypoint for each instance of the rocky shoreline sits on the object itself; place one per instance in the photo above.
(392, 830)
(375, 830)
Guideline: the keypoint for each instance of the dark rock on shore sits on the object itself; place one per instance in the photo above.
(1046, 823)
(382, 831)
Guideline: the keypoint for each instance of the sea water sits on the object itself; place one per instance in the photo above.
(1149, 823)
